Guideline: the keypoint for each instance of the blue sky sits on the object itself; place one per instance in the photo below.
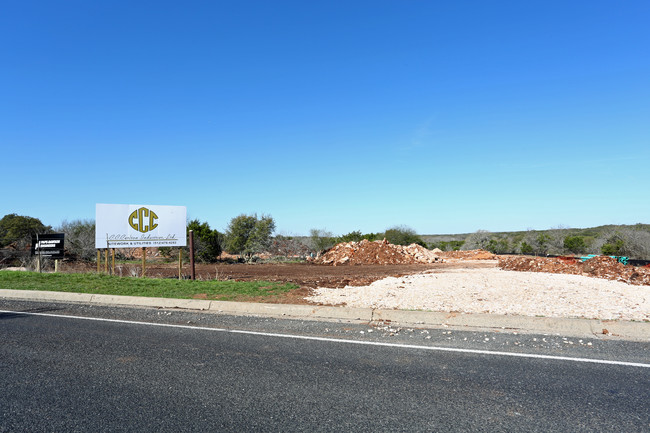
(447, 117)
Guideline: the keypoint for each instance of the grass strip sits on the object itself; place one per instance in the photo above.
(151, 287)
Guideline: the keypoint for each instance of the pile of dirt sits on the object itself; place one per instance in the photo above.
(377, 253)
(469, 255)
(600, 267)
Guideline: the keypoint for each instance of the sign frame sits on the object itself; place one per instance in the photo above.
(138, 226)
(49, 245)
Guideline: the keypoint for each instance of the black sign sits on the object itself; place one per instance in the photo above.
(50, 245)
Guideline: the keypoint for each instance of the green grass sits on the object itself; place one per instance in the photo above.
(152, 287)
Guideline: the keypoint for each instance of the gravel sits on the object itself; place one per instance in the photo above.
(497, 291)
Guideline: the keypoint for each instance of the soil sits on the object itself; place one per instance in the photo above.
(307, 276)
(600, 267)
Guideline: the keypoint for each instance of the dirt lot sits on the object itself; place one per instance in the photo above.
(456, 281)
(306, 275)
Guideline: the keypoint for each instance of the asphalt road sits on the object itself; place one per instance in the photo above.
(184, 371)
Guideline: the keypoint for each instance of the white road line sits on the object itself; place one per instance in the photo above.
(338, 340)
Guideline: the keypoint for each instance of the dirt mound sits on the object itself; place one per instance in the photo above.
(469, 255)
(377, 253)
(600, 267)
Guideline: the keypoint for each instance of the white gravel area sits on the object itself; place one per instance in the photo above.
(496, 291)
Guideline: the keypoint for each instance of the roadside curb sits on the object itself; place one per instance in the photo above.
(570, 327)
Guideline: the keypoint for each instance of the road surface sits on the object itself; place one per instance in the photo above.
(67, 367)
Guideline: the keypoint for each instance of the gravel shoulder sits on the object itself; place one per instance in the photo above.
(495, 291)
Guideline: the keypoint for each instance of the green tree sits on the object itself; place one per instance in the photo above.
(354, 236)
(575, 244)
(357, 236)
(543, 241)
(248, 234)
(498, 246)
(207, 242)
(20, 229)
(613, 247)
(526, 248)
(403, 235)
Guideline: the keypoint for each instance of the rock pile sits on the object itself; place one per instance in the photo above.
(377, 253)
(600, 267)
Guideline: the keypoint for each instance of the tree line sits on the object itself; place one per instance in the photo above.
(250, 235)
(631, 241)
(246, 235)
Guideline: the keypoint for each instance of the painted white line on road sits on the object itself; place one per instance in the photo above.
(338, 340)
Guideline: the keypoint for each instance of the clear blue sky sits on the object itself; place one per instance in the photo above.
(445, 116)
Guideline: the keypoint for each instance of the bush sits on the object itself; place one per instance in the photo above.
(79, 239)
(446, 245)
(613, 249)
(248, 234)
(402, 235)
(356, 236)
(526, 248)
(498, 246)
(575, 244)
(207, 242)
(321, 240)
(20, 229)
(478, 240)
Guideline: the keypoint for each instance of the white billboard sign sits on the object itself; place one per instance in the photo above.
(134, 226)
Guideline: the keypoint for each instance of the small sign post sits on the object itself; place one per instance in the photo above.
(48, 245)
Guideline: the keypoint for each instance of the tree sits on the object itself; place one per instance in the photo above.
(613, 248)
(535, 243)
(498, 246)
(288, 246)
(403, 235)
(633, 242)
(356, 236)
(575, 244)
(207, 242)
(79, 238)
(321, 240)
(478, 240)
(20, 229)
(248, 234)
(555, 239)
(526, 248)
(447, 245)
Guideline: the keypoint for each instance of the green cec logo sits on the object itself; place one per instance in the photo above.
(143, 220)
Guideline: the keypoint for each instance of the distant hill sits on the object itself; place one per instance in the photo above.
(621, 240)
(589, 232)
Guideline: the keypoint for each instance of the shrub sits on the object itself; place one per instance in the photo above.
(575, 244)
(18, 228)
(248, 234)
(321, 240)
(526, 248)
(79, 239)
(478, 240)
(402, 235)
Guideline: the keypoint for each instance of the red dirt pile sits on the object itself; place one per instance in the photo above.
(600, 267)
(469, 255)
(377, 253)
